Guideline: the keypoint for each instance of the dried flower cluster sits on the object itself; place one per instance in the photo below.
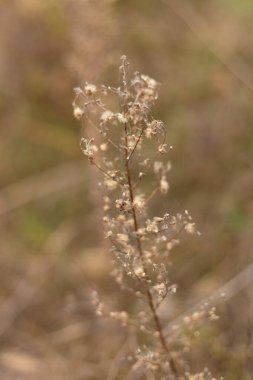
(129, 149)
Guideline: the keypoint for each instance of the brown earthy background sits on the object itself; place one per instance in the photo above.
(52, 253)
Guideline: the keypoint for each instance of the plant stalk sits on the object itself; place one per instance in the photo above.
(142, 259)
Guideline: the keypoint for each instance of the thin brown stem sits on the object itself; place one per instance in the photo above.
(105, 172)
(142, 259)
(137, 142)
(160, 332)
(93, 125)
(130, 187)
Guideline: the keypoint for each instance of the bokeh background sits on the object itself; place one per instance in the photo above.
(52, 254)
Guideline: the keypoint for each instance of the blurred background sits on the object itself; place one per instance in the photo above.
(51, 252)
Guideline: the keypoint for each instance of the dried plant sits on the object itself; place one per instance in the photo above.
(128, 150)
